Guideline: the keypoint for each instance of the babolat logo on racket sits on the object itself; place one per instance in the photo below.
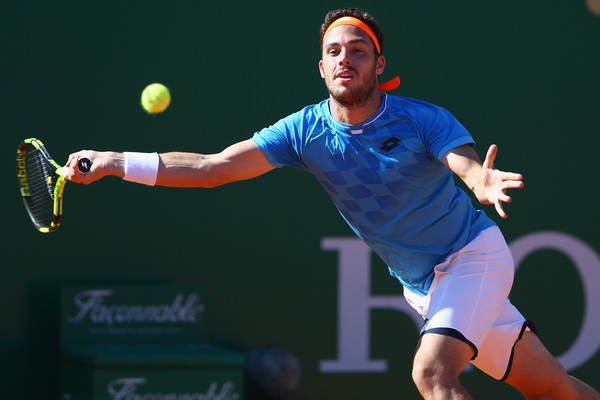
(22, 173)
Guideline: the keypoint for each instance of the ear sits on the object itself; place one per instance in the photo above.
(380, 65)
(321, 69)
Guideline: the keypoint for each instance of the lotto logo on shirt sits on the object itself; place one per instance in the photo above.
(390, 144)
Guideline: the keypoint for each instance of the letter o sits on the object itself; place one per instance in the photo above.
(587, 262)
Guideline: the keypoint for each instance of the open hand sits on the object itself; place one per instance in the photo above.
(493, 183)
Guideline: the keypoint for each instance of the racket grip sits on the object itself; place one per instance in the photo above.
(84, 165)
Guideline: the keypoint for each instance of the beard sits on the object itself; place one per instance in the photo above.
(355, 96)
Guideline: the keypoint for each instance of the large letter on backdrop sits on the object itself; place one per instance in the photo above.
(587, 262)
(354, 305)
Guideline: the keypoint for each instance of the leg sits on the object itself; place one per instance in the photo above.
(537, 375)
(438, 362)
(466, 297)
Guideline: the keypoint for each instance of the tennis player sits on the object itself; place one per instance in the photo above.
(388, 163)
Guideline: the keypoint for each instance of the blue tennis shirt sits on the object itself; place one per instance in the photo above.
(386, 178)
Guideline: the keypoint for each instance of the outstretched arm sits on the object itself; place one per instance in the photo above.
(240, 161)
(487, 183)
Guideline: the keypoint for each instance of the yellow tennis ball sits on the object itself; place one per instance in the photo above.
(156, 98)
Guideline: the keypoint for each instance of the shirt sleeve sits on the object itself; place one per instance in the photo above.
(441, 132)
(282, 142)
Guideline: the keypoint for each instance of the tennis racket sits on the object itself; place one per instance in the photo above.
(41, 182)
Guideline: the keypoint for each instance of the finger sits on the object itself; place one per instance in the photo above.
(72, 158)
(512, 185)
(502, 197)
(74, 174)
(490, 157)
(511, 176)
(500, 210)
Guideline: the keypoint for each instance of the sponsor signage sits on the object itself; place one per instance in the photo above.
(143, 342)
(156, 384)
(153, 314)
(133, 389)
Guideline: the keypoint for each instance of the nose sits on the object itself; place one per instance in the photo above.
(344, 59)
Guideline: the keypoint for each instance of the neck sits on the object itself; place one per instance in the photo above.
(354, 114)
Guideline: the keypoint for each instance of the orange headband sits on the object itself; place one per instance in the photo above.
(391, 85)
(359, 24)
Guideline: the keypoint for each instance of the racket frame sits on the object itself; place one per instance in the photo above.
(59, 185)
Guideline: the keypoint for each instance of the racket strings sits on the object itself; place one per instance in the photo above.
(41, 180)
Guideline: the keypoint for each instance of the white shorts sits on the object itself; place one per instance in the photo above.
(468, 300)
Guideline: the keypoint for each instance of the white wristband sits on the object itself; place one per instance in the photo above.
(141, 168)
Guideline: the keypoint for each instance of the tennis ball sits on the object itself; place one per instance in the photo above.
(156, 98)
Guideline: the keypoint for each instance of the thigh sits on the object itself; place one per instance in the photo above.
(496, 353)
(442, 354)
(535, 370)
(469, 290)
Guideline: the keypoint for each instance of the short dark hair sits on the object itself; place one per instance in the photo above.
(364, 16)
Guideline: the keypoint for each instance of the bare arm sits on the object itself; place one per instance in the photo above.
(487, 183)
(240, 161)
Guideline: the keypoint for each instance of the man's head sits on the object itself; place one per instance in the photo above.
(351, 62)
(363, 16)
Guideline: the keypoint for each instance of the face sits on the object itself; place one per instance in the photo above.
(350, 66)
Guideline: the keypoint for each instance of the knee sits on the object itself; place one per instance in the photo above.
(423, 377)
(431, 378)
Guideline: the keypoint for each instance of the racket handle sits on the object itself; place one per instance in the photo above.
(84, 165)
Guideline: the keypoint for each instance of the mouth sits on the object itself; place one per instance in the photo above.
(345, 75)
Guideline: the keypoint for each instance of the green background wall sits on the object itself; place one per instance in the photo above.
(521, 74)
